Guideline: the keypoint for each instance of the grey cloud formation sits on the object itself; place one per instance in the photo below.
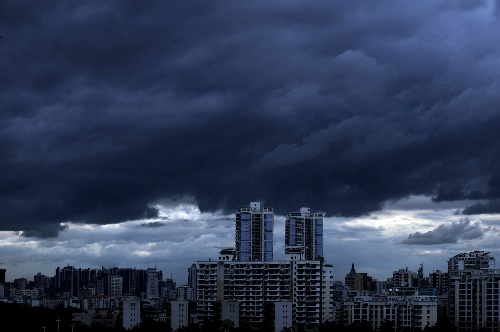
(108, 108)
(153, 224)
(492, 206)
(464, 229)
(125, 244)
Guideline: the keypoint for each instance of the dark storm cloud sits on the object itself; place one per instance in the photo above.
(47, 231)
(153, 224)
(464, 229)
(480, 208)
(108, 108)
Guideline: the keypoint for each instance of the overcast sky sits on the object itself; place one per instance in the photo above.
(131, 131)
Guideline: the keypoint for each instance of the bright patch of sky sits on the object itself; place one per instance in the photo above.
(182, 235)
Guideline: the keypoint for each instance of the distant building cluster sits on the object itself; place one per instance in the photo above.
(106, 295)
(244, 285)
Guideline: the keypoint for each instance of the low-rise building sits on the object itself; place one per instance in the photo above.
(179, 314)
(131, 312)
(403, 311)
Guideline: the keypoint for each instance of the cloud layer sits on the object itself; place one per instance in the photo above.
(464, 229)
(109, 108)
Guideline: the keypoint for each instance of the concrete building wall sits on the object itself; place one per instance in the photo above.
(283, 313)
(471, 275)
(116, 286)
(404, 312)
(254, 284)
(327, 301)
(131, 313)
(476, 300)
(184, 293)
(230, 310)
(179, 314)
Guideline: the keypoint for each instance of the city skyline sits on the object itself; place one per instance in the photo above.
(340, 246)
(132, 132)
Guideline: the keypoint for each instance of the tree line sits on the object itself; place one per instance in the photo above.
(18, 317)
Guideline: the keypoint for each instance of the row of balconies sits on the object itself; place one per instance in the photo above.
(260, 271)
(229, 269)
(264, 289)
(246, 268)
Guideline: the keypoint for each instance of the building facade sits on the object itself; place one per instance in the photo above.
(254, 284)
(131, 313)
(439, 280)
(305, 229)
(254, 233)
(116, 286)
(404, 278)
(179, 314)
(474, 292)
(350, 278)
(185, 293)
(192, 279)
(282, 315)
(229, 311)
(152, 283)
(404, 312)
(248, 275)
(327, 298)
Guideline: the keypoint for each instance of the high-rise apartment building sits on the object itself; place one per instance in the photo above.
(254, 284)
(249, 276)
(466, 262)
(130, 282)
(21, 283)
(41, 281)
(152, 283)
(360, 281)
(192, 279)
(476, 301)
(102, 282)
(68, 280)
(474, 292)
(254, 233)
(116, 286)
(404, 278)
(439, 280)
(168, 288)
(305, 229)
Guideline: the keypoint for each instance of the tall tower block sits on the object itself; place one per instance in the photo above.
(305, 230)
(254, 233)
